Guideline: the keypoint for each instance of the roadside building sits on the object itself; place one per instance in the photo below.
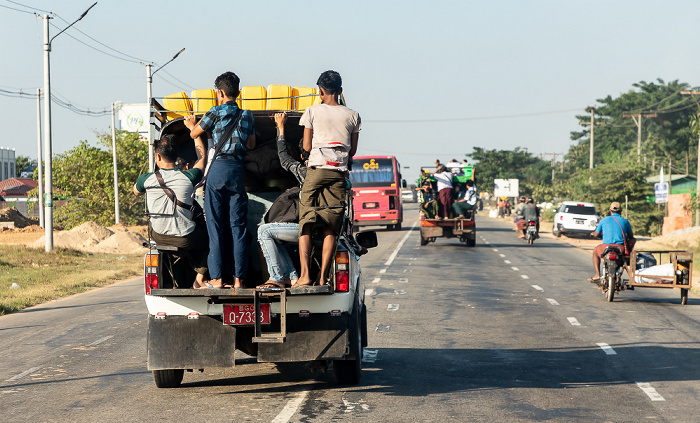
(14, 192)
(7, 163)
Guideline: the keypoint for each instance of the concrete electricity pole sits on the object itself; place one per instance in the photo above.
(697, 172)
(48, 195)
(39, 162)
(638, 121)
(114, 163)
(592, 110)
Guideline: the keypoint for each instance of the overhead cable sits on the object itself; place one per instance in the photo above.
(473, 118)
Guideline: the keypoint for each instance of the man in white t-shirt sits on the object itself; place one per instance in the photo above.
(444, 186)
(331, 132)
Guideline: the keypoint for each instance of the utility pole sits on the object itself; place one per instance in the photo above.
(114, 163)
(39, 161)
(697, 171)
(554, 158)
(592, 110)
(638, 121)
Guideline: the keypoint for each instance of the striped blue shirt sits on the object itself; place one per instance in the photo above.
(218, 119)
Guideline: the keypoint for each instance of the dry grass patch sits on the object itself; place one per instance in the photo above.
(45, 276)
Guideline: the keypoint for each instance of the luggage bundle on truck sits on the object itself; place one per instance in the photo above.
(192, 329)
(431, 225)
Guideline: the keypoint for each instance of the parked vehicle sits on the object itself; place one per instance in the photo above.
(192, 329)
(376, 191)
(575, 218)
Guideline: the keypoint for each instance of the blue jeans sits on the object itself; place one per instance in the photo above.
(226, 208)
(279, 264)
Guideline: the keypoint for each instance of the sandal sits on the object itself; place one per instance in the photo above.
(593, 279)
(270, 285)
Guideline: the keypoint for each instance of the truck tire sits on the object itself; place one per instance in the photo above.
(349, 371)
(169, 378)
(684, 296)
(424, 241)
(471, 242)
(396, 227)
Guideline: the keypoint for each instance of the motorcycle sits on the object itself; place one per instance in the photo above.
(613, 266)
(531, 232)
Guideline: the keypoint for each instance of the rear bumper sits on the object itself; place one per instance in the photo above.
(379, 222)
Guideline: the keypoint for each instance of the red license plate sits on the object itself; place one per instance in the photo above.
(244, 314)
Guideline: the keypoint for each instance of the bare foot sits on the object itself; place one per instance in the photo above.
(303, 281)
(238, 283)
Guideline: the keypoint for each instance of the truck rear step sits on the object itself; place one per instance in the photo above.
(271, 337)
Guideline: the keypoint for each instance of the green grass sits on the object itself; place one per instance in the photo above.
(44, 276)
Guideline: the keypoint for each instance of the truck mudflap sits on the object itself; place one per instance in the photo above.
(316, 337)
(182, 342)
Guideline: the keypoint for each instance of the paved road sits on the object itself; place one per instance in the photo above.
(499, 332)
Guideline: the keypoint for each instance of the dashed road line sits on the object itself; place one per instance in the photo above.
(552, 301)
(525, 276)
(506, 261)
(369, 291)
(382, 271)
(292, 406)
(650, 391)
(495, 249)
(352, 406)
(369, 356)
(537, 287)
(23, 374)
(101, 340)
(399, 292)
(382, 327)
(573, 321)
(376, 280)
(403, 280)
(607, 349)
(502, 255)
(392, 307)
(515, 268)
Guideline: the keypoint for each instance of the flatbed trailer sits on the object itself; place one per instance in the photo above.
(682, 265)
(463, 228)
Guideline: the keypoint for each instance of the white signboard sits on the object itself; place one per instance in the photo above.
(133, 118)
(506, 187)
(661, 192)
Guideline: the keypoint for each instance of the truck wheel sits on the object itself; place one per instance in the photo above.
(396, 227)
(169, 378)
(471, 242)
(349, 371)
(424, 241)
(684, 296)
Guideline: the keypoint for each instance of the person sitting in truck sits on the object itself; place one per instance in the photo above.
(331, 133)
(444, 187)
(225, 199)
(616, 231)
(466, 206)
(169, 203)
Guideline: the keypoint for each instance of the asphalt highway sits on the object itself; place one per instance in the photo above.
(501, 332)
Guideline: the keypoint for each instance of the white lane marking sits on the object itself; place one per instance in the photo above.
(413, 258)
(506, 261)
(392, 307)
(369, 356)
(292, 406)
(606, 348)
(376, 280)
(23, 374)
(350, 406)
(399, 292)
(398, 247)
(537, 287)
(552, 301)
(407, 271)
(403, 280)
(382, 327)
(101, 340)
(650, 391)
(525, 276)
(495, 249)
(502, 255)
(369, 291)
(382, 271)
(573, 321)
(515, 268)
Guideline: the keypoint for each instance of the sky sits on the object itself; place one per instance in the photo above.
(431, 80)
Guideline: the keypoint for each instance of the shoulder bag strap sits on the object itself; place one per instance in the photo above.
(228, 134)
(624, 238)
(169, 192)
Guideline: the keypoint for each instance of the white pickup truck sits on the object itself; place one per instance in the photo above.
(192, 329)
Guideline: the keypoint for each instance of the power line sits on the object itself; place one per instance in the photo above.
(66, 104)
(17, 10)
(183, 83)
(472, 118)
(97, 49)
(28, 7)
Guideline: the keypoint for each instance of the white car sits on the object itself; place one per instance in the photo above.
(575, 218)
(409, 195)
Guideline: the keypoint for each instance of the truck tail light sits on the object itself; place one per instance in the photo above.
(150, 272)
(342, 271)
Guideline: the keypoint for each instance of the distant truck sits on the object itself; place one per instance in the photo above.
(192, 329)
(433, 227)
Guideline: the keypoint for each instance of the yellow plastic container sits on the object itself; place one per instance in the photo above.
(300, 102)
(253, 98)
(279, 97)
(203, 100)
(177, 104)
(238, 99)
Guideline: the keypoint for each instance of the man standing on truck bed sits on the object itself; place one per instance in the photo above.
(331, 132)
(225, 200)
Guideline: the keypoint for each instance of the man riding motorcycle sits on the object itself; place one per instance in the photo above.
(529, 212)
(615, 229)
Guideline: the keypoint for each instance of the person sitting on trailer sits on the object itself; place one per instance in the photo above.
(616, 230)
(170, 204)
(444, 183)
(529, 212)
(466, 207)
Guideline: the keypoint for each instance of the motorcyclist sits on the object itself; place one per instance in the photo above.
(529, 212)
(519, 209)
(615, 230)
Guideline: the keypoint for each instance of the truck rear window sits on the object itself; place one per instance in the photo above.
(580, 210)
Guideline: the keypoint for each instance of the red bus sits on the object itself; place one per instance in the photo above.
(376, 188)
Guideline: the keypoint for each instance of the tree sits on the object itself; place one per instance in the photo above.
(84, 176)
(533, 174)
(24, 164)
